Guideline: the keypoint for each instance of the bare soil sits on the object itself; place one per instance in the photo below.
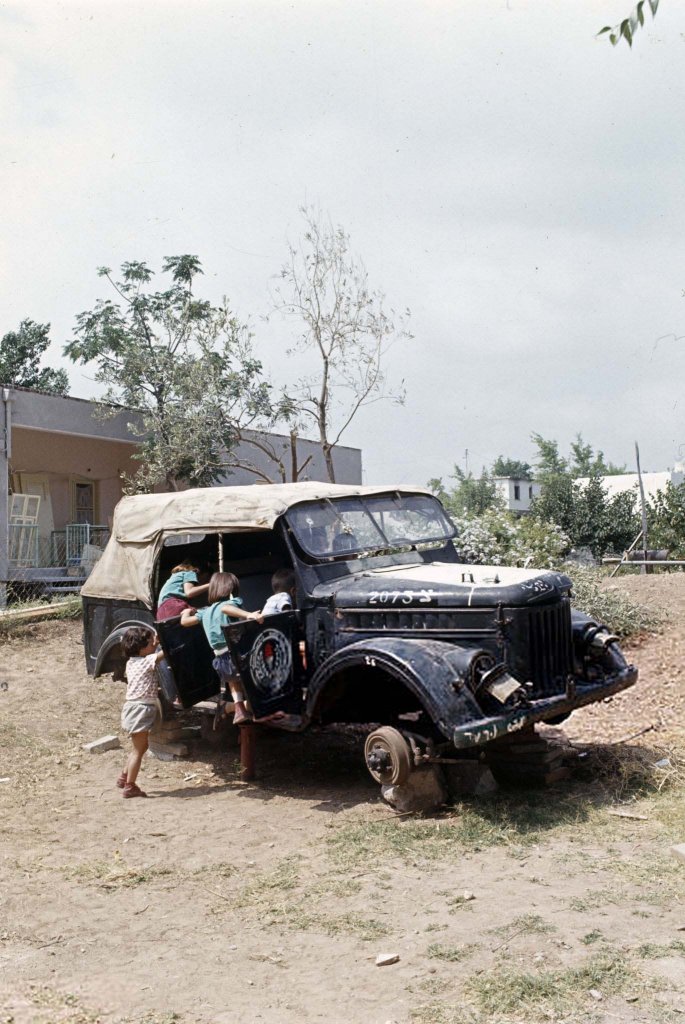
(221, 902)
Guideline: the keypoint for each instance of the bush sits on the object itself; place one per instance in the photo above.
(498, 538)
(609, 605)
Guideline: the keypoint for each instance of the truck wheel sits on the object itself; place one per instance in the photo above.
(388, 756)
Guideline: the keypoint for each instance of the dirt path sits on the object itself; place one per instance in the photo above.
(223, 902)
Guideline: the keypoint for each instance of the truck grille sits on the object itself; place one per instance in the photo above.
(541, 649)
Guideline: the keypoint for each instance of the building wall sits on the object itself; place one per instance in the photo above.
(652, 482)
(507, 490)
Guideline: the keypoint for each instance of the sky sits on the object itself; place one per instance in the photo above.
(502, 171)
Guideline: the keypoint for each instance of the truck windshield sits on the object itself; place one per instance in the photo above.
(350, 526)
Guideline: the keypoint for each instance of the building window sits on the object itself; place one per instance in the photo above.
(530, 491)
(517, 492)
(83, 501)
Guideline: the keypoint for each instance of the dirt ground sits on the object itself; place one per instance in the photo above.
(222, 902)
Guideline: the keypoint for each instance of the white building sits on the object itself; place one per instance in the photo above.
(652, 482)
(516, 494)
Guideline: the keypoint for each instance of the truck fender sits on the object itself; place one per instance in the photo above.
(110, 656)
(442, 676)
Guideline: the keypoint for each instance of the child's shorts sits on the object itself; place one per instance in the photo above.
(137, 716)
(224, 667)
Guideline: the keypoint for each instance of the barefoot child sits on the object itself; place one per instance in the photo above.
(224, 604)
(141, 708)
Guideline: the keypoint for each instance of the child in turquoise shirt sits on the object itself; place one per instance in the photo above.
(224, 604)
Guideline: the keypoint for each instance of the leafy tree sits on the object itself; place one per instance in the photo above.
(471, 495)
(325, 289)
(583, 460)
(186, 365)
(20, 355)
(627, 28)
(666, 515)
(512, 468)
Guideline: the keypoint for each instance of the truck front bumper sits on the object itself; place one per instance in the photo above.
(483, 730)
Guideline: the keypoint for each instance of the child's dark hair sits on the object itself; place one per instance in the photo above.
(222, 586)
(135, 639)
(283, 580)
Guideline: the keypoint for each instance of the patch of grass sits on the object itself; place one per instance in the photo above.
(452, 954)
(552, 992)
(439, 1013)
(594, 899)
(113, 874)
(66, 1005)
(525, 924)
(281, 901)
(591, 937)
(515, 820)
(633, 771)
(267, 885)
(655, 951)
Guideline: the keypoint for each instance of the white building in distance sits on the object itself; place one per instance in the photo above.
(516, 494)
(652, 482)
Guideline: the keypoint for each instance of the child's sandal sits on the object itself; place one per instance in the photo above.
(131, 791)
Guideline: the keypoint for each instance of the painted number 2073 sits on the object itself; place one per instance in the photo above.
(401, 597)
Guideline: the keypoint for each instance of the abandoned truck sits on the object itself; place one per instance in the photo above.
(390, 626)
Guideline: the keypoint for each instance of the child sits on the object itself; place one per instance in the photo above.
(283, 596)
(224, 604)
(178, 589)
(141, 708)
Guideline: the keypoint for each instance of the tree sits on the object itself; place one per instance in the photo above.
(471, 496)
(583, 460)
(325, 289)
(20, 355)
(186, 365)
(514, 469)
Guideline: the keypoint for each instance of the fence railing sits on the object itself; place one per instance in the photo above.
(78, 545)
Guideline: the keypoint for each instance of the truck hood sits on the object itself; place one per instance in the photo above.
(446, 584)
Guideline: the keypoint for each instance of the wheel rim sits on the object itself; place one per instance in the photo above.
(387, 756)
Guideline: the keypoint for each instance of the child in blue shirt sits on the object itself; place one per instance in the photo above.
(175, 595)
(224, 604)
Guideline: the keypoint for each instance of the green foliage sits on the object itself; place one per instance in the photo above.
(627, 28)
(666, 520)
(186, 365)
(499, 538)
(609, 605)
(471, 496)
(514, 469)
(20, 355)
(585, 513)
(583, 460)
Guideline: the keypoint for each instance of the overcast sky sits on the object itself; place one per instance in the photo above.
(515, 181)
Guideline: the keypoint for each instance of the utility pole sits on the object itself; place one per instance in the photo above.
(643, 567)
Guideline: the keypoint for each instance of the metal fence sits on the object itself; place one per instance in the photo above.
(77, 545)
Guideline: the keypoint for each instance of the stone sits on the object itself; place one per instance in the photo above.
(596, 994)
(424, 791)
(168, 751)
(469, 778)
(104, 743)
(385, 959)
(679, 851)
